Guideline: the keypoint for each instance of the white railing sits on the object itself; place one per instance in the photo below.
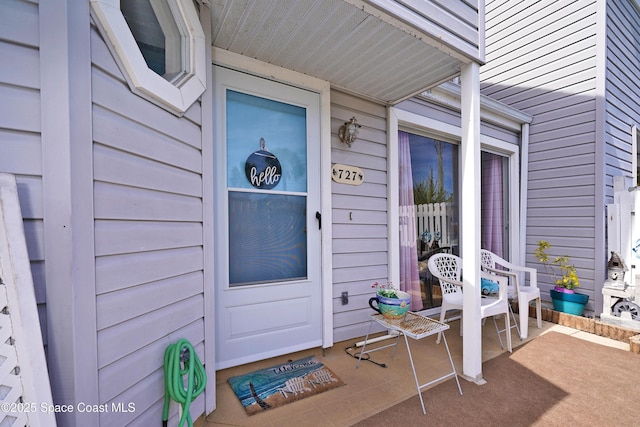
(436, 219)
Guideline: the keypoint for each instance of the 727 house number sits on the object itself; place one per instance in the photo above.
(344, 174)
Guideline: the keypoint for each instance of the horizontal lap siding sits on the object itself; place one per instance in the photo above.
(453, 21)
(622, 88)
(148, 240)
(541, 59)
(359, 214)
(20, 141)
(434, 111)
(449, 116)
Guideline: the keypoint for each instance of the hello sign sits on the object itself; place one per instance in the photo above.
(262, 168)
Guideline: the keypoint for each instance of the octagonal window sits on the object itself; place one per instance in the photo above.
(159, 46)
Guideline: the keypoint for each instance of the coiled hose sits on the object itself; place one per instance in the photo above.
(180, 359)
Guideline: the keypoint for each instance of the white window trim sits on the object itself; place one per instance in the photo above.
(142, 80)
(398, 119)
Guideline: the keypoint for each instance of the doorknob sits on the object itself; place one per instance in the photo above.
(319, 218)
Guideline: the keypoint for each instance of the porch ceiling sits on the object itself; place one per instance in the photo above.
(337, 42)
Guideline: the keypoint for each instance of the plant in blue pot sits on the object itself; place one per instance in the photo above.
(389, 301)
(563, 295)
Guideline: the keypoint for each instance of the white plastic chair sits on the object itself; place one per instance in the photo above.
(517, 289)
(447, 268)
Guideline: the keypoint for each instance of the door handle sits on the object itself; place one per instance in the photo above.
(319, 218)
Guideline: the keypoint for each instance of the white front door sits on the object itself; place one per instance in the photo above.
(267, 194)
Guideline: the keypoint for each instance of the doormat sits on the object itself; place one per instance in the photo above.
(278, 385)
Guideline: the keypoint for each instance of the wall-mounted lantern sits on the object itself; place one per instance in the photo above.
(348, 132)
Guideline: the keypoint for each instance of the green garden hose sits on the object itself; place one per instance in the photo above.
(180, 359)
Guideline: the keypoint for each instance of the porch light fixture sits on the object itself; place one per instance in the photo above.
(348, 132)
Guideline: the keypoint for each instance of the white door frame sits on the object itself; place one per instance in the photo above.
(261, 69)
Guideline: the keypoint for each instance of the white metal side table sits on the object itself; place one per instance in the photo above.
(417, 327)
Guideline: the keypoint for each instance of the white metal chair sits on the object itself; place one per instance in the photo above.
(517, 288)
(447, 268)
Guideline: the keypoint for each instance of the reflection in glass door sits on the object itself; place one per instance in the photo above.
(428, 211)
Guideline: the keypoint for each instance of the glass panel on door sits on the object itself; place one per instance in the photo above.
(267, 233)
(267, 184)
(428, 209)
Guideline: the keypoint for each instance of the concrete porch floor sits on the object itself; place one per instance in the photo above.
(370, 388)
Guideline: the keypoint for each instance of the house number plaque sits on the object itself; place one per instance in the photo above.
(344, 174)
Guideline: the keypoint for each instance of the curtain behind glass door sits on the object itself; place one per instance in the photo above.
(494, 213)
(429, 199)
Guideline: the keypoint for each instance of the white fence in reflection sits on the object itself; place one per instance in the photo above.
(436, 220)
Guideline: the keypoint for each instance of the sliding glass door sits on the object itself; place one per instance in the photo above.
(429, 210)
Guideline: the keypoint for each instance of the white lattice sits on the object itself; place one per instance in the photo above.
(10, 381)
(24, 381)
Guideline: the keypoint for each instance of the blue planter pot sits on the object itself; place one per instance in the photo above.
(568, 303)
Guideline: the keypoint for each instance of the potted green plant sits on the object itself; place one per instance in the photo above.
(563, 295)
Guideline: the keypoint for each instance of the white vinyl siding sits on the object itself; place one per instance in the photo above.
(359, 214)
(622, 88)
(148, 211)
(147, 232)
(455, 22)
(449, 116)
(20, 142)
(542, 59)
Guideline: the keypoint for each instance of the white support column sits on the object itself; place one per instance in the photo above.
(634, 154)
(67, 204)
(470, 222)
(393, 197)
(524, 188)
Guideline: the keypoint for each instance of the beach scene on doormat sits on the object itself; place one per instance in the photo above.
(287, 382)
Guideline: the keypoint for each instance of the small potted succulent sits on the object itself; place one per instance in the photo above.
(563, 295)
(389, 301)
